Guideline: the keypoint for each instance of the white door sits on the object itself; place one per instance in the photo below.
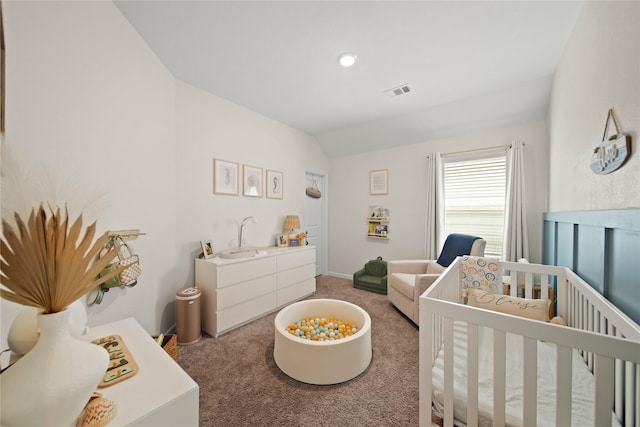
(314, 218)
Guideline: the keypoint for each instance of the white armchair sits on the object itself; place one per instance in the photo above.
(408, 279)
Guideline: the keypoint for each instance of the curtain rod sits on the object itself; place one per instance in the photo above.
(478, 150)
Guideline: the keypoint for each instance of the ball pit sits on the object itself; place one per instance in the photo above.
(321, 329)
(318, 361)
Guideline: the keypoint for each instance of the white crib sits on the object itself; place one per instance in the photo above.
(604, 340)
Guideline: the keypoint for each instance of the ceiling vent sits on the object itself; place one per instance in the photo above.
(396, 91)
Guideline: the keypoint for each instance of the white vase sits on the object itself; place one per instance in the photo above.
(52, 383)
(23, 333)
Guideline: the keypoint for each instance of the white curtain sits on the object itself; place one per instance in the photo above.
(434, 206)
(516, 238)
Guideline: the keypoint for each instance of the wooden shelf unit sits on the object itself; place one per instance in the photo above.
(378, 227)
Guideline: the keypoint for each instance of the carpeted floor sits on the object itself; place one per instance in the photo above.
(240, 384)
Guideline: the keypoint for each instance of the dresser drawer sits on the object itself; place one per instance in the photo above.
(296, 259)
(297, 291)
(298, 274)
(232, 295)
(243, 271)
(248, 310)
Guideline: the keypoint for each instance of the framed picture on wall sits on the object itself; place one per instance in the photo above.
(252, 181)
(225, 177)
(274, 184)
(379, 182)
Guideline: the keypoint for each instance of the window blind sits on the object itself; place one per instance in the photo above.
(474, 198)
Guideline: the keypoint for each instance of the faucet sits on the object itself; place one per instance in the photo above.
(242, 224)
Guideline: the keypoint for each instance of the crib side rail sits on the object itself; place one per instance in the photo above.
(579, 304)
(614, 357)
(586, 309)
(431, 335)
(606, 350)
(533, 280)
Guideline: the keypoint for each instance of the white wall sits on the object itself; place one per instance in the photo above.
(210, 127)
(87, 98)
(406, 201)
(600, 69)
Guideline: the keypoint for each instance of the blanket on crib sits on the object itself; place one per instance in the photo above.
(583, 389)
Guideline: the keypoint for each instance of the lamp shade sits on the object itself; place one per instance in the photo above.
(291, 222)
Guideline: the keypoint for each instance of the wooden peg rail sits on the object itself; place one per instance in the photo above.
(127, 234)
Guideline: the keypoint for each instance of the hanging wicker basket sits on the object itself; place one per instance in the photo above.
(313, 191)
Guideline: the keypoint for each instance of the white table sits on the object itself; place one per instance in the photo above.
(160, 393)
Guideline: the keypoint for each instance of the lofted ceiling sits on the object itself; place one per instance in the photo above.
(470, 65)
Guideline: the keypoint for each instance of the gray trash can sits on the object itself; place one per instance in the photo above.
(188, 322)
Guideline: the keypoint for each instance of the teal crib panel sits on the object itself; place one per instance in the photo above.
(623, 278)
(548, 243)
(565, 244)
(602, 247)
(589, 255)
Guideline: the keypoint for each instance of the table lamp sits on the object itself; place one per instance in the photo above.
(291, 222)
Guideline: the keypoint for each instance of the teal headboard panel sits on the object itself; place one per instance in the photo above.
(602, 247)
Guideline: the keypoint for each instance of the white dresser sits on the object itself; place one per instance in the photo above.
(161, 393)
(237, 291)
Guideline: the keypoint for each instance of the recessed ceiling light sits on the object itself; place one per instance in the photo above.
(347, 59)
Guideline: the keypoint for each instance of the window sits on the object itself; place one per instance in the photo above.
(474, 198)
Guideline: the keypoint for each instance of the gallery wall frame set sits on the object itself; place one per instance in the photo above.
(226, 180)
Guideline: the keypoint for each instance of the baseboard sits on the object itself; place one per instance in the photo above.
(340, 275)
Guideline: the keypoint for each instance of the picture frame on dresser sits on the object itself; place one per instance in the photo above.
(207, 249)
(282, 239)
